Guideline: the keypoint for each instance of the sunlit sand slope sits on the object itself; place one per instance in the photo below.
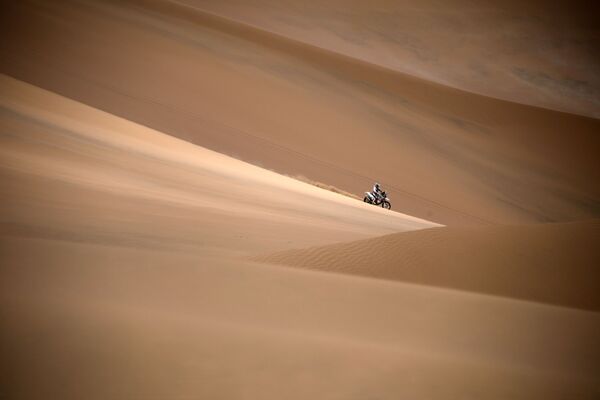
(75, 173)
(443, 154)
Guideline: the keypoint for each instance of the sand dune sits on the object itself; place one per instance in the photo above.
(533, 53)
(60, 157)
(551, 263)
(141, 149)
(443, 154)
(137, 323)
(121, 277)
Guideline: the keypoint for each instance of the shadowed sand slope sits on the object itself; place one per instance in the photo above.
(139, 323)
(443, 154)
(552, 263)
(121, 278)
(531, 52)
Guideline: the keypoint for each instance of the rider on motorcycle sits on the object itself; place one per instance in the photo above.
(377, 192)
(378, 197)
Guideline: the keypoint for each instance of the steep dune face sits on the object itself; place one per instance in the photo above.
(552, 263)
(533, 53)
(121, 277)
(443, 155)
(73, 173)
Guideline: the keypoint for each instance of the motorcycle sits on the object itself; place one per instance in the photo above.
(376, 200)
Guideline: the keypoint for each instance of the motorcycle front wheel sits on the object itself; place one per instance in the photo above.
(386, 205)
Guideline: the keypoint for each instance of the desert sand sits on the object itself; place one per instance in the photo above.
(125, 274)
(154, 243)
(445, 155)
(510, 260)
(535, 52)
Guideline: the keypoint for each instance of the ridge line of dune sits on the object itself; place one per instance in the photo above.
(548, 263)
(399, 113)
(198, 116)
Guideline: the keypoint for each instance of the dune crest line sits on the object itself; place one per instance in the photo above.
(549, 263)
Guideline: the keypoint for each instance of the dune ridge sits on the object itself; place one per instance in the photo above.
(121, 264)
(285, 105)
(55, 150)
(550, 263)
(143, 154)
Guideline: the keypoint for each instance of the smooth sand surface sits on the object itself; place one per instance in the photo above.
(533, 52)
(444, 155)
(147, 235)
(59, 154)
(124, 275)
(550, 263)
